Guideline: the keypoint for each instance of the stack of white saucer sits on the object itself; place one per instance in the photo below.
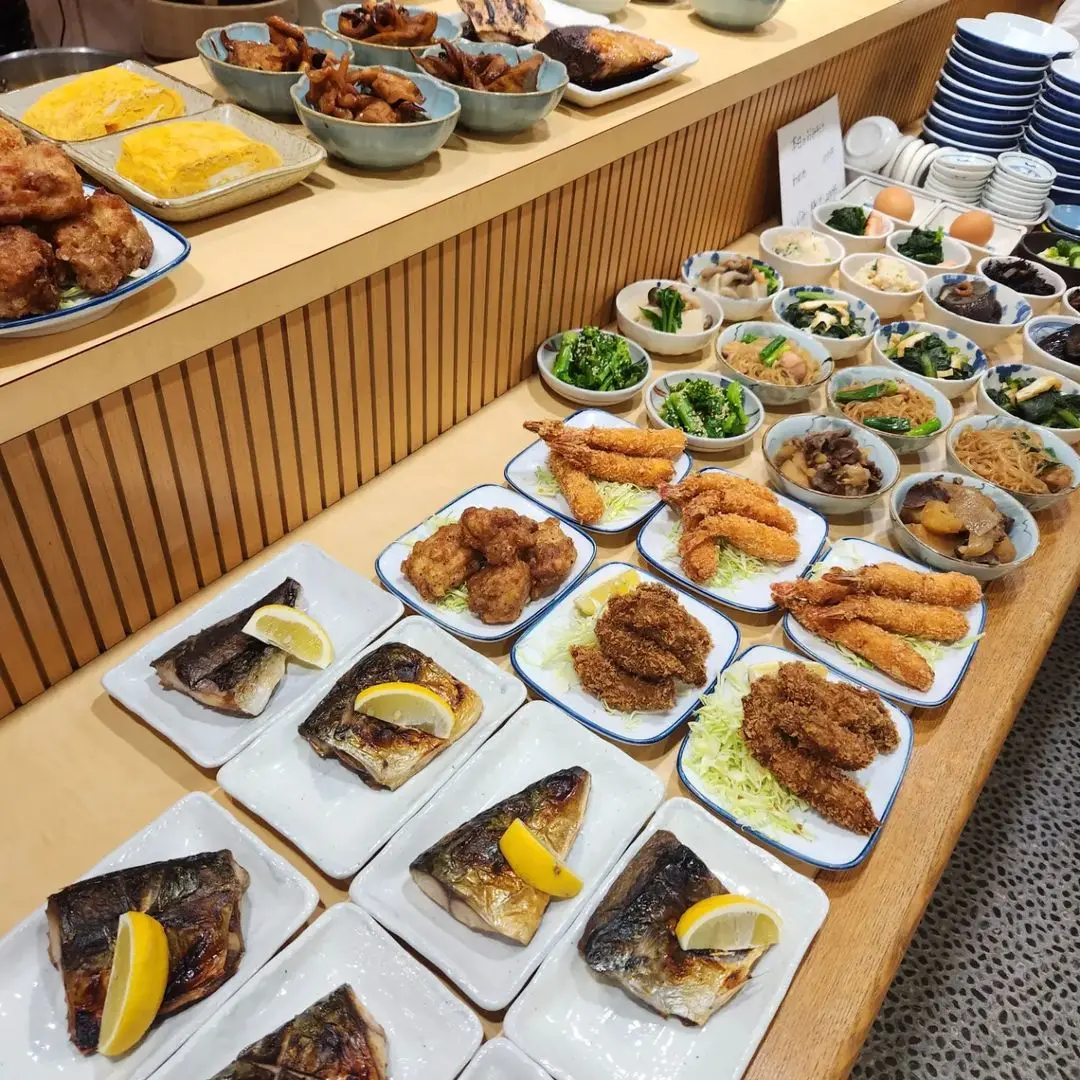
(1019, 187)
(960, 175)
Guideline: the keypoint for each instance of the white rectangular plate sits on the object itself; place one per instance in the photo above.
(466, 624)
(1006, 235)
(852, 552)
(679, 60)
(865, 188)
(520, 474)
(500, 1059)
(430, 1033)
(281, 778)
(824, 844)
(539, 739)
(580, 1028)
(33, 1026)
(349, 607)
(562, 686)
(659, 550)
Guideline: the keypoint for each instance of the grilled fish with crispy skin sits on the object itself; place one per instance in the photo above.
(466, 873)
(334, 1039)
(224, 668)
(196, 899)
(595, 55)
(517, 22)
(630, 937)
(382, 754)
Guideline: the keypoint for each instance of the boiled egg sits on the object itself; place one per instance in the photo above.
(895, 202)
(974, 227)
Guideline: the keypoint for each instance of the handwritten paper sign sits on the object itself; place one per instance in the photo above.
(811, 163)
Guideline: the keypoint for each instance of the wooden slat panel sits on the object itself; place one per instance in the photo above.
(322, 382)
(305, 435)
(276, 377)
(416, 320)
(363, 378)
(340, 345)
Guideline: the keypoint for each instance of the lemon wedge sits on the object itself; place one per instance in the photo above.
(531, 859)
(407, 705)
(726, 923)
(140, 970)
(294, 632)
(591, 602)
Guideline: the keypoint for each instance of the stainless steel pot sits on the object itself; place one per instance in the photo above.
(31, 66)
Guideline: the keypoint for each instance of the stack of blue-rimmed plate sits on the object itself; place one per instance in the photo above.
(1053, 132)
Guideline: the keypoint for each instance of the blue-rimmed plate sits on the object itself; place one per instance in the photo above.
(547, 669)
(949, 669)
(659, 547)
(170, 250)
(523, 473)
(464, 623)
(821, 843)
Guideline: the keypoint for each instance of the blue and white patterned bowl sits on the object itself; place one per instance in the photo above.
(958, 83)
(950, 388)
(964, 138)
(982, 44)
(837, 348)
(964, 73)
(1042, 326)
(1066, 73)
(400, 56)
(993, 379)
(1024, 532)
(773, 393)
(960, 102)
(1053, 130)
(661, 387)
(735, 310)
(1051, 40)
(1015, 311)
(997, 127)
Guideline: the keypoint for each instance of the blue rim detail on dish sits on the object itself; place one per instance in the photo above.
(900, 696)
(680, 474)
(697, 590)
(455, 630)
(606, 732)
(776, 845)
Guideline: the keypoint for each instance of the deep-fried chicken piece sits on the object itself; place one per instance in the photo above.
(440, 563)
(934, 622)
(646, 472)
(681, 493)
(737, 501)
(499, 534)
(581, 494)
(102, 244)
(38, 181)
(761, 541)
(28, 274)
(808, 590)
(498, 594)
(617, 689)
(902, 583)
(11, 138)
(618, 440)
(550, 558)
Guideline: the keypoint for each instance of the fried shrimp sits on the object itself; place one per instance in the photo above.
(739, 502)
(901, 583)
(647, 472)
(680, 494)
(701, 563)
(618, 440)
(930, 621)
(761, 541)
(581, 494)
(808, 591)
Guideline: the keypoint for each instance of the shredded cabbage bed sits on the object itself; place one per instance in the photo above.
(456, 600)
(619, 499)
(75, 295)
(733, 566)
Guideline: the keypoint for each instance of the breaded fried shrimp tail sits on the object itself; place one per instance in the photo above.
(681, 493)
(580, 492)
(761, 541)
(935, 622)
(636, 442)
(646, 472)
(901, 583)
(808, 591)
(547, 429)
(737, 501)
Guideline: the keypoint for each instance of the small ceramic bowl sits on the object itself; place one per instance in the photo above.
(957, 256)
(396, 56)
(507, 113)
(1035, 243)
(874, 241)
(1039, 304)
(384, 146)
(993, 379)
(1061, 450)
(950, 388)
(793, 271)
(633, 297)
(774, 393)
(1024, 532)
(1070, 303)
(734, 308)
(1015, 311)
(657, 393)
(263, 91)
(736, 14)
(888, 305)
(837, 348)
(794, 427)
(1040, 328)
(597, 399)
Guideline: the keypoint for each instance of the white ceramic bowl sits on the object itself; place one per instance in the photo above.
(1068, 307)
(870, 142)
(772, 393)
(957, 256)
(793, 271)
(659, 389)
(1041, 327)
(837, 348)
(634, 296)
(1015, 311)
(545, 358)
(902, 444)
(950, 388)
(888, 305)
(734, 309)
(1058, 447)
(1039, 304)
(1024, 532)
(850, 243)
(793, 427)
(995, 376)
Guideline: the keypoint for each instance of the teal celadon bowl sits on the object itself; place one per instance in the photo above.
(400, 56)
(384, 146)
(736, 14)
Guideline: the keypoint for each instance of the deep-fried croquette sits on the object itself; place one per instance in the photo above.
(11, 138)
(28, 274)
(581, 494)
(440, 563)
(498, 534)
(38, 181)
(902, 583)
(498, 594)
(616, 688)
(550, 559)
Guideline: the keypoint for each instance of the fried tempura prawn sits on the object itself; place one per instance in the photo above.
(931, 621)
(901, 583)
(809, 591)
(701, 563)
(736, 501)
(581, 494)
(681, 493)
(616, 688)
(619, 440)
(761, 541)
(647, 472)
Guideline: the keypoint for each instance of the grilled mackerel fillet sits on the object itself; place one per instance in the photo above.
(596, 55)
(196, 899)
(518, 22)
(334, 1039)
(630, 937)
(382, 754)
(465, 872)
(224, 668)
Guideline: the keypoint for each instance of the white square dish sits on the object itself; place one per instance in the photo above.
(865, 188)
(33, 1029)
(824, 844)
(660, 550)
(520, 474)
(679, 60)
(351, 609)
(581, 1028)
(539, 739)
(430, 1033)
(465, 623)
(560, 684)
(281, 778)
(500, 1059)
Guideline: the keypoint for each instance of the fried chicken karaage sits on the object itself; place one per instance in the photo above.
(28, 274)
(38, 181)
(440, 563)
(550, 558)
(499, 534)
(498, 593)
